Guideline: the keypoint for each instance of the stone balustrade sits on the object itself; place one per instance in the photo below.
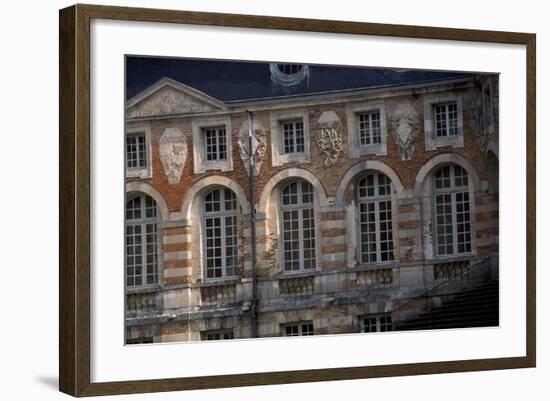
(452, 270)
(382, 278)
(302, 285)
(223, 292)
(141, 302)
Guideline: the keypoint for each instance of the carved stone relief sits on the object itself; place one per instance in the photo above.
(478, 126)
(259, 145)
(428, 231)
(173, 153)
(329, 137)
(169, 100)
(404, 122)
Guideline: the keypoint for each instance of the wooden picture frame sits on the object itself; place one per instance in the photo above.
(74, 203)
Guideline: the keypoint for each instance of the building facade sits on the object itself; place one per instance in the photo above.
(355, 204)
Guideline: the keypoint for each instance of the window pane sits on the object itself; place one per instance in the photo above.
(293, 136)
(298, 329)
(215, 143)
(298, 226)
(452, 210)
(141, 241)
(369, 128)
(136, 151)
(375, 219)
(221, 233)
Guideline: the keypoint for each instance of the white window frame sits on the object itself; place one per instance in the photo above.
(378, 323)
(222, 214)
(139, 172)
(376, 199)
(299, 328)
(432, 141)
(200, 162)
(219, 136)
(293, 136)
(278, 155)
(453, 190)
(446, 114)
(143, 222)
(356, 149)
(299, 207)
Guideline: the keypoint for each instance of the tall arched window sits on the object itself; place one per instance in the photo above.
(452, 211)
(298, 226)
(142, 246)
(220, 233)
(375, 219)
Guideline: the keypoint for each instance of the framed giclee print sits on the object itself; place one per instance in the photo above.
(251, 200)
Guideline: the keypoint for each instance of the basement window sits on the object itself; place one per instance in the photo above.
(215, 335)
(375, 323)
(297, 329)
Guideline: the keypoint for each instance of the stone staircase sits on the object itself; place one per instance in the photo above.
(477, 307)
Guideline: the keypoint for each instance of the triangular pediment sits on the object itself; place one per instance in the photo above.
(167, 97)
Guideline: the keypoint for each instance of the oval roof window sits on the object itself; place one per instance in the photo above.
(288, 74)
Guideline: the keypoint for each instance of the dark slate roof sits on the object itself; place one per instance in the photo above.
(235, 80)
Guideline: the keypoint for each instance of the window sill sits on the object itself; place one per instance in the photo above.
(291, 158)
(376, 266)
(138, 173)
(377, 150)
(220, 165)
(143, 290)
(301, 273)
(453, 258)
(456, 141)
(213, 282)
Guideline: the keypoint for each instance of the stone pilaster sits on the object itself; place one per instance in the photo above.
(177, 254)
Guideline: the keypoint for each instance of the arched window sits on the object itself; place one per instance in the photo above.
(288, 74)
(452, 211)
(142, 245)
(375, 219)
(220, 233)
(298, 226)
(290, 69)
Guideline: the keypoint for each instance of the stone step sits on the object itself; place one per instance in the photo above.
(478, 307)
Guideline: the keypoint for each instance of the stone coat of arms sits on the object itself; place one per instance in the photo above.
(259, 146)
(329, 137)
(173, 153)
(477, 125)
(405, 124)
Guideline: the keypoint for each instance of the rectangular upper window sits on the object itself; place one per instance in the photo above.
(443, 120)
(446, 120)
(293, 136)
(212, 149)
(297, 329)
(136, 151)
(215, 143)
(370, 132)
(366, 129)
